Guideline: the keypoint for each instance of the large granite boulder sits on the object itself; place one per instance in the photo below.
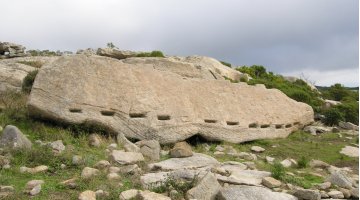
(11, 50)
(170, 102)
(115, 53)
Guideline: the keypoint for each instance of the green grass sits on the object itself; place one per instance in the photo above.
(76, 141)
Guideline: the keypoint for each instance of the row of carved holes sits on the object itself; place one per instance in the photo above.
(167, 117)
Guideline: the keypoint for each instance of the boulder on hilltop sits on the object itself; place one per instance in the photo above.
(165, 99)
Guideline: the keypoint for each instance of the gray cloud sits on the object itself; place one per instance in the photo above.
(285, 36)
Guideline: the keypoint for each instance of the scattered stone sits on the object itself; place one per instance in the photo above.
(324, 194)
(89, 172)
(314, 130)
(198, 160)
(348, 126)
(335, 130)
(33, 187)
(57, 146)
(181, 150)
(6, 191)
(219, 153)
(239, 192)
(250, 165)
(346, 192)
(62, 166)
(246, 177)
(270, 182)
(70, 183)
(173, 194)
(307, 194)
(128, 146)
(130, 169)
(102, 164)
(324, 186)
(4, 161)
(77, 160)
(125, 158)
(115, 53)
(150, 149)
(336, 194)
(257, 149)
(247, 156)
(101, 194)
(286, 163)
(207, 188)
(128, 194)
(113, 177)
(269, 159)
(350, 151)
(87, 195)
(147, 195)
(112, 146)
(95, 140)
(355, 192)
(340, 179)
(219, 148)
(114, 169)
(41, 168)
(318, 164)
(13, 138)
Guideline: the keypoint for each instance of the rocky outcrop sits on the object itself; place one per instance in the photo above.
(162, 99)
(11, 50)
(115, 53)
(237, 192)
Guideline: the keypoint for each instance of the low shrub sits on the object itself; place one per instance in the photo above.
(226, 63)
(151, 54)
(277, 171)
(303, 162)
(29, 81)
(333, 116)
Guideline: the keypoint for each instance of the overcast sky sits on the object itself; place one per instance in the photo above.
(317, 38)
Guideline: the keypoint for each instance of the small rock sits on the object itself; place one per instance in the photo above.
(41, 168)
(324, 186)
(150, 149)
(336, 194)
(77, 160)
(57, 146)
(101, 194)
(286, 163)
(102, 164)
(181, 150)
(114, 169)
(219, 148)
(128, 194)
(324, 194)
(7, 189)
(173, 194)
(340, 179)
(219, 153)
(207, 188)
(113, 177)
(62, 166)
(147, 195)
(346, 192)
(269, 159)
(112, 146)
(164, 152)
(70, 183)
(33, 187)
(350, 151)
(318, 164)
(128, 146)
(87, 195)
(270, 182)
(257, 149)
(346, 125)
(130, 169)
(13, 138)
(95, 140)
(247, 156)
(4, 161)
(124, 158)
(89, 172)
(307, 194)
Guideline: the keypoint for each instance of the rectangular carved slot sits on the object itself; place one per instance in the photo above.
(75, 110)
(253, 125)
(163, 117)
(211, 121)
(137, 115)
(231, 123)
(296, 123)
(278, 126)
(265, 126)
(288, 125)
(108, 113)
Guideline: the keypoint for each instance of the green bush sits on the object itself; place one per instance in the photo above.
(333, 116)
(350, 111)
(277, 171)
(29, 81)
(151, 54)
(303, 162)
(226, 63)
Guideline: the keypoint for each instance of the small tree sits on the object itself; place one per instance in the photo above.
(110, 45)
(333, 117)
